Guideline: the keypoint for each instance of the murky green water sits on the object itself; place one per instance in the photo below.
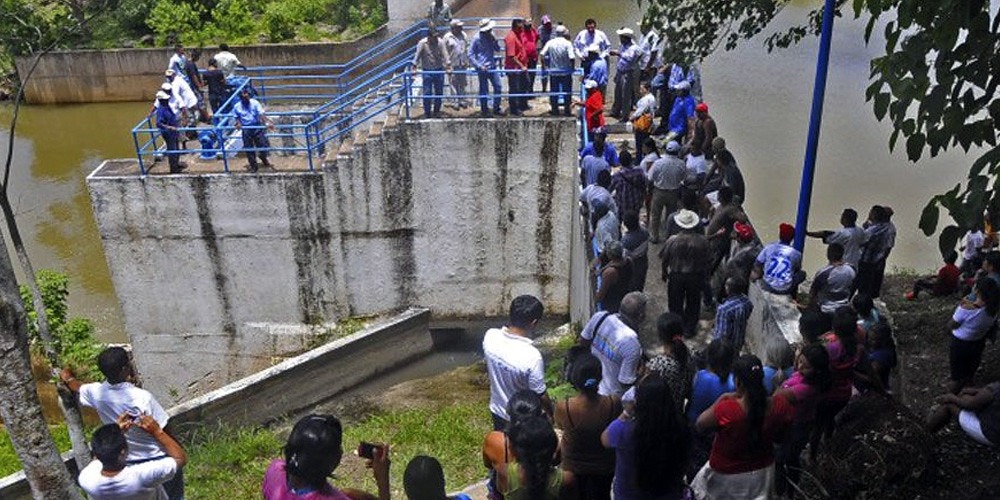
(55, 148)
(760, 100)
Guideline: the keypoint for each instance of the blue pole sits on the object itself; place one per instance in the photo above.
(816, 118)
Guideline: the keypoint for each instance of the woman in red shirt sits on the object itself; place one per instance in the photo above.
(747, 423)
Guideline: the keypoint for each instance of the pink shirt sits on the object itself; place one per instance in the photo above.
(806, 397)
(276, 487)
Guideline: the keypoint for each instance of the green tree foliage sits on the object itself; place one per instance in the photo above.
(74, 337)
(936, 81)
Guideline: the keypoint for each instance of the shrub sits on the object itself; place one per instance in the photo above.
(175, 21)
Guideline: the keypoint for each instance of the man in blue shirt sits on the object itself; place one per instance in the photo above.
(482, 57)
(251, 120)
(167, 122)
(681, 113)
(596, 69)
(779, 265)
(732, 315)
(600, 147)
(626, 74)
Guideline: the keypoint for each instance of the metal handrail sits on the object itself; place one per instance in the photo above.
(383, 71)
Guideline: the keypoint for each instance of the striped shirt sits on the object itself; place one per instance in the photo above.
(731, 320)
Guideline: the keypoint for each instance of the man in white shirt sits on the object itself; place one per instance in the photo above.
(117, 396)
(110, 476)
(558, 59)
(512, 361)
(591, 36)
(227, 61)
(850, 236)
(187, 100)
(178, 61)
(612, 338)
(457, 45)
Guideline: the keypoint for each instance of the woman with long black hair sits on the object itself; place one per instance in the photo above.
(532, 475)
(747, 423)
(651, 447)
(803, 391)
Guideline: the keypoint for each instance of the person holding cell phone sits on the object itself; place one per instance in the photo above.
(313, 451)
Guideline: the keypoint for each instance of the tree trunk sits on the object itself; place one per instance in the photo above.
(19, 404)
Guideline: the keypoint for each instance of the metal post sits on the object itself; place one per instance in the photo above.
(221, 134)
(135, 139)
(406, 90)
(815, 120)
(309, 152)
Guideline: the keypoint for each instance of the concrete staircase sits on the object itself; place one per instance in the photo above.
(373, 127)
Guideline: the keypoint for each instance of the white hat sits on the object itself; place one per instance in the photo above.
(562, 29)
(162, 95)
(169, 72)
(626, 32)
(594, 48)
(486, 24)
(590, 84)
(686, 219)
(457, 22)
(684, 85)
(673, 147)
(167, 87)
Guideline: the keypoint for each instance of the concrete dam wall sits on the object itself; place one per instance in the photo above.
(219, 276)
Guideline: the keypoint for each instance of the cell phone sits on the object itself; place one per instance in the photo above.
(367, 450)
(135, 415)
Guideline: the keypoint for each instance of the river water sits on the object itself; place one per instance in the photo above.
(761, 102)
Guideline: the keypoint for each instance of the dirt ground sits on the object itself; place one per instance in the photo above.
(963, 468)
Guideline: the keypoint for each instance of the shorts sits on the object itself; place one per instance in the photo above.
(969, 422)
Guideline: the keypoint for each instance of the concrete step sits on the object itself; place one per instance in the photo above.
(360, 137)
(376, 128)
(346, 147)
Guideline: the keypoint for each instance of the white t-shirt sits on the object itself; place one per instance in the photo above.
(852, 239)
(182, 91)
(111, 400)
(973, 242)
(513, 364)
(617, 346)
(135, 482)
(227, 62)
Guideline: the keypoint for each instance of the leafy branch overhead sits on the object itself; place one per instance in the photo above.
(936, 81)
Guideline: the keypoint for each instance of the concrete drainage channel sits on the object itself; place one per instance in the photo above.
(403, 347)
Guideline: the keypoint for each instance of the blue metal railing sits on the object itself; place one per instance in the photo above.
(337, 99)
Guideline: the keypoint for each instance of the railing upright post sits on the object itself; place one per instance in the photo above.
(221, 134)
(407, 78)
(135, 140)
(309, 150)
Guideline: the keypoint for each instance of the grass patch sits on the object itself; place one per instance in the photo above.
(229, 463)
(10, 463)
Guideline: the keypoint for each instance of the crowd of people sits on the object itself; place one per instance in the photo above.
(191, 94)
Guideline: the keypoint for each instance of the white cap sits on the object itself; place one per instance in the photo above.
(162, 95)
(684, 85)
(673, 147)
(167, 87)
(594, 48)
(590, 84)
(626, 32)
(562, 29)
(169, 72)
(486, 24)
(456, 22)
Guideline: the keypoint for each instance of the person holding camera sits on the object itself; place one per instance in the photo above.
(110, 475)
(314, 449)
(119, 395)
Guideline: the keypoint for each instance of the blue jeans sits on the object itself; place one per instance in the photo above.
(255, 138)
(486, 78)
(562, 86)
(433, 90)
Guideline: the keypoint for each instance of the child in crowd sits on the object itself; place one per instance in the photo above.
(424, 480)
(944, 283)
(882, 355)
(778, 360)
